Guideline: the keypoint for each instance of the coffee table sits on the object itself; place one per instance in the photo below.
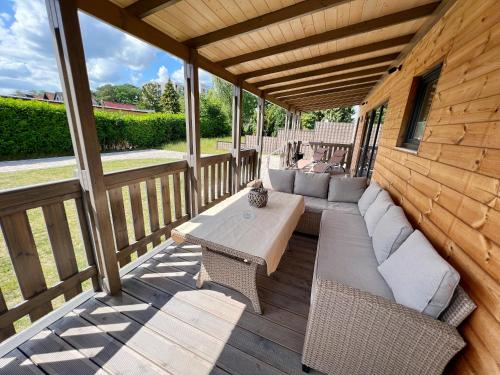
(236, 238)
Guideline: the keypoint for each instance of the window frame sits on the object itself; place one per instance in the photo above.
(424, 82)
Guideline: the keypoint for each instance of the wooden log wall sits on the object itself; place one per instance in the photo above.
(450, 188)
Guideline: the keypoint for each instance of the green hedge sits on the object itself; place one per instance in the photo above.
(31, 128)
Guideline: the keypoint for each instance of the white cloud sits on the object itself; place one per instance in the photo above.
(178, 76)
(162, 75)
(204, 77)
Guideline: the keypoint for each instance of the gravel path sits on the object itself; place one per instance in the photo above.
(62, 161)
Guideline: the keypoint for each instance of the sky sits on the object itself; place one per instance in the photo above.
(27, 60)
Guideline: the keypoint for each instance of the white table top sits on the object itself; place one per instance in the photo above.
(235, 228)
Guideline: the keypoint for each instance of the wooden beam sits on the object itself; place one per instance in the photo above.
(236, 137)
(144, 8)
(328, 97)
(192, 110)
(64, 23)
(283, 14)
(330, 69)
(389, 43)
(335, 78)
(342, 90)
(333, 101)
(345, 84)
(323, 106)
(127, 22)
(332, 35)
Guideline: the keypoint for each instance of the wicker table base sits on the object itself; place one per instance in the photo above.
(238, 274)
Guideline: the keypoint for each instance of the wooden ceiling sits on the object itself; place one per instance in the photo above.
(302, 55)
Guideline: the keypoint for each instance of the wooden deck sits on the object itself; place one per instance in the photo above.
(161, 324)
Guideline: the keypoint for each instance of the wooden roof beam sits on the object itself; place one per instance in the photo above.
(363, 87)
(335, 34)
(333, 104)
(144, 8)
(283, 14)
(327, 98)
(329, 79)
(330, 69)
(389, 43)
(346, 84)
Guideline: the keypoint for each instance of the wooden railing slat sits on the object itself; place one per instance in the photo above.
(205, 186)
(219, 180)
(225, 185)
(177, 196)
(62, 245)
(137, 215)
(212, 183)
(165, 199)
(23, 254)
(7, 329)
(154, 221)
(119, 220)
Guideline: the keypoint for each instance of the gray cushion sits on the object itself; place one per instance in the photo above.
(315, 205)
(368, 197)
(346, 189)
(418, 277)
(390, 232)
(344, 207)
(376, 210)
(311, 184)
(279, 180)
(345, 254)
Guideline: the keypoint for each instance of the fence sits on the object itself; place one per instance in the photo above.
(145, 205)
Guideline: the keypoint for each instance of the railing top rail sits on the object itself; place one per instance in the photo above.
(26, 197)
(214, 159)
(248, 152)
(129, 176)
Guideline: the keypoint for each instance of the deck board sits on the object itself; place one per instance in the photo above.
(162, 324)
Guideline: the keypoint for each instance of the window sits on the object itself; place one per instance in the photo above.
(425, 91)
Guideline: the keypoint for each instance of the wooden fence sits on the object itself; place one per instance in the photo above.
(137, 226)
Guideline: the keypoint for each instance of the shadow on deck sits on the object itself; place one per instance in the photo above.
(161, 323)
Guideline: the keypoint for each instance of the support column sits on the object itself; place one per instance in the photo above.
(64, 23)
(192, 110)
(261, 108)
(236, 136)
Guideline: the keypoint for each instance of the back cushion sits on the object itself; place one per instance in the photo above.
(376, 210)
(369, 195)
(312, 184)
(348, 189)
(279, 180)
(390, 232)
(418, 277)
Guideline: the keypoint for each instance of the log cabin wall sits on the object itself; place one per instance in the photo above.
(450, 187)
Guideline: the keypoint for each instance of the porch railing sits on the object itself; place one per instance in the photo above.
(145, 205)
(308, 148)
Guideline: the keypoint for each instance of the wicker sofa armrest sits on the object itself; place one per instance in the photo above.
(353, 332)
(255, 183)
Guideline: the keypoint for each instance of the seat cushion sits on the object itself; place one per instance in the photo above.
(344, 207)
(315, 205)
(418, 277)
(345, 254)
(279, 180)
(311, 184)
(346, 189)
(376, 210)
(368, 197)
(390, 232)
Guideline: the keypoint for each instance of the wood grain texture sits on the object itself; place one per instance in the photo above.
(450, 187)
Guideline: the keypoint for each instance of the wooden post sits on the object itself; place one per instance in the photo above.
(192, 105)
(236, 136)
(261, 108)
(63, 18)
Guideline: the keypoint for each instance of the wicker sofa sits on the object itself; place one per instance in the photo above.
(355, 325)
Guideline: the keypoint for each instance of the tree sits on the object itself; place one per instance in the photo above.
(345, 114)
(169, 100)
(274, 119)
(126, 93)
(150, 96)
(213, 119)
(308, 119)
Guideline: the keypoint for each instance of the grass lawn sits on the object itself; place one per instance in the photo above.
(8, 281)
(207, 145)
